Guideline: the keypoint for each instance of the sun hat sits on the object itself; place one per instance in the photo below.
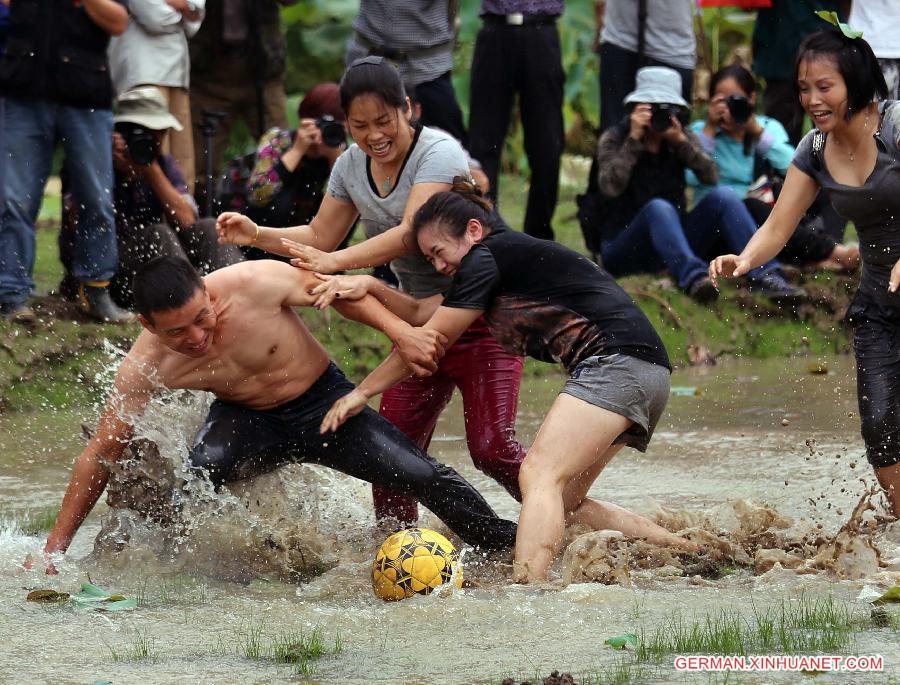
(660, 85)
(145, 106)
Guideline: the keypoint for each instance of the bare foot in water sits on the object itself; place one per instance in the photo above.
(520, 573)
(686, 545)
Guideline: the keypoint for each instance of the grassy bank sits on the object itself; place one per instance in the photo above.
(57, 364)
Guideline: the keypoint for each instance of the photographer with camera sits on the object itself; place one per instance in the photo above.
(642, 214)
(753, 153)
(291, 171)
(155, 213)
(238, 59)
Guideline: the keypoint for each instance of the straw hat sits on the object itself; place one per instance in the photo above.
(145, 106)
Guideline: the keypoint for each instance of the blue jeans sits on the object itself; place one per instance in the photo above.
(657, 238)
(31, 129)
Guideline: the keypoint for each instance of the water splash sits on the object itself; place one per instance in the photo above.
(742, 535)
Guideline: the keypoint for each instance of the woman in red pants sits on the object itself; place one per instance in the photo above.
(393, 168)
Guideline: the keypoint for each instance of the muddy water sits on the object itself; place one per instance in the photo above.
(743, 437)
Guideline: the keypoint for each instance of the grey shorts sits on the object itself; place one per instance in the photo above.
(630, 387)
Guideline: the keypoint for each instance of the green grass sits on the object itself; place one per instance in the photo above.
(172, 590)
(299, 649)
(141, 648)
(619, 672)
(807, 625)
(34, 522)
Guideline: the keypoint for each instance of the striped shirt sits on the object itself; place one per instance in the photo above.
(417, 35)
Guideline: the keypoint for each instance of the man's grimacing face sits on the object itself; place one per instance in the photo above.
(188, 329)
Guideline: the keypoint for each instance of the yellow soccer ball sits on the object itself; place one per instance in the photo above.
(414, 562)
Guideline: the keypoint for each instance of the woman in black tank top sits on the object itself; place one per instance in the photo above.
(853, 152)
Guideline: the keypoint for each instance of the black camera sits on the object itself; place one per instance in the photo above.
(740, 108)
(143, 145)
(333, 133)
(661, 116)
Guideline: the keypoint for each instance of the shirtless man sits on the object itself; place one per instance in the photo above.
(234, 334)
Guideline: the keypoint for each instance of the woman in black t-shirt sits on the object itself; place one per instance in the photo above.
(544, 300)
(854, 154)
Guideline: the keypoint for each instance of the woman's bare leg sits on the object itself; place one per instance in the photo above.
(573, 441)
(601, 515)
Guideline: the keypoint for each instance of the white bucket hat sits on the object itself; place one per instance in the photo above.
(659, 85)
(145, 106)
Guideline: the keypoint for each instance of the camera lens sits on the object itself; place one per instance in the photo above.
(739, 107)
(333, 133)
(143, 146)
(661, 117)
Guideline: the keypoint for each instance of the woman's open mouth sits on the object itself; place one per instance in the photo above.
(380, 149)
(820, 116)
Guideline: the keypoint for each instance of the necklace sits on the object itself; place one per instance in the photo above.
(386, 183)
(852, 154)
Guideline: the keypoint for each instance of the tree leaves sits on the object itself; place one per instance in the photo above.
(833, 19)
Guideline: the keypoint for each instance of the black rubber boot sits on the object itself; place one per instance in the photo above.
(97, 303)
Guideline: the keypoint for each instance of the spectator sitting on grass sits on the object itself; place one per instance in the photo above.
(644, 225)
(745, 145)
(155, 213)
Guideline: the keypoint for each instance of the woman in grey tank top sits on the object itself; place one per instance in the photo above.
(393, 168)
(854, 153)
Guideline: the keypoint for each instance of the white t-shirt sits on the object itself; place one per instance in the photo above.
(436, 157)
(879, 20)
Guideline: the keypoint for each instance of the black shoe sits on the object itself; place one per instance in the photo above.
(18, 312)
(69, 288)
(97, 303)
(703, 291)
(775, 287)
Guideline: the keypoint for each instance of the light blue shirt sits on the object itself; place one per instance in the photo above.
(736, 168)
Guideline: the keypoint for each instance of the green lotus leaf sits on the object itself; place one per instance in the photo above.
(91, 590)
(121, 605)
(622, 641)
(892, 595)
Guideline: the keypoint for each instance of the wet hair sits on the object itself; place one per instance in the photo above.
(374, 76)
(855, 61)
(740, 74)
(451, 210)
(164, 283)
(322, 98)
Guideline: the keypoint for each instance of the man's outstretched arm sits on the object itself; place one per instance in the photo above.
(89, 475)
